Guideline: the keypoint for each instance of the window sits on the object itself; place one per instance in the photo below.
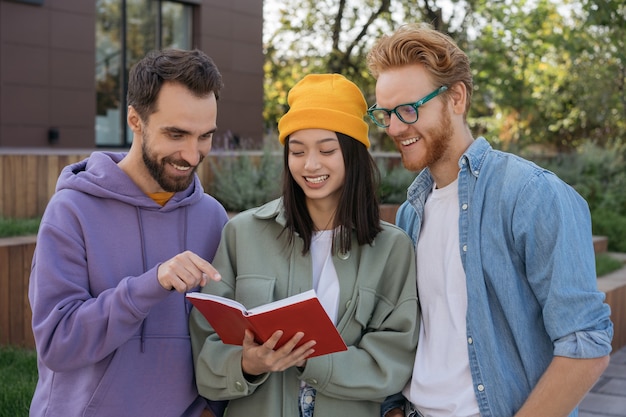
(125, 31)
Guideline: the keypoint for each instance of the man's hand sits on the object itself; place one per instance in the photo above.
(207, 413)
(186, 271)
(258, 359)
(395, 412)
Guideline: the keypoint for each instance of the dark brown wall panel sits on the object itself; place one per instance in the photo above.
(47, 69)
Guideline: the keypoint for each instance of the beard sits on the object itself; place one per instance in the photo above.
(157, 169)
(436, 147)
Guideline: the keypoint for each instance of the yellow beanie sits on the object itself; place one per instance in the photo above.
(325, 101)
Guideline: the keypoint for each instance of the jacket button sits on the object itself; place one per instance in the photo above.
(312, 381)
(344, 255)
(239, 386)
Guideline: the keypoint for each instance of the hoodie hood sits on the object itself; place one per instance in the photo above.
(100, 176)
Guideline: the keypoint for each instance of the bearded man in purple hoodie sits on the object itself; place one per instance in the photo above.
(122, 240)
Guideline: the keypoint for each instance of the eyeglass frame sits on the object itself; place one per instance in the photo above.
(415, 105)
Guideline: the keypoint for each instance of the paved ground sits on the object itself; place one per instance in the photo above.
(608, 396)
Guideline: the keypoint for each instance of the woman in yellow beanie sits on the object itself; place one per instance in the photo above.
(324, 233)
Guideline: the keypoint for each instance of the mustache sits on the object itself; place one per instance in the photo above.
(182, 162)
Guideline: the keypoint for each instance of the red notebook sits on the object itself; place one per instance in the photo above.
(298, 313)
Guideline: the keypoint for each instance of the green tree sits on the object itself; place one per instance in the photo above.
(606, 65)
(335, 36)
(548, 72)
(519, 68)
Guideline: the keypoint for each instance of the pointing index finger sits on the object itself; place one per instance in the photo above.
(207, 269)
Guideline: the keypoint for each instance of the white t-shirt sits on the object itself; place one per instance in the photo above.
(325, 280)
(441, 385)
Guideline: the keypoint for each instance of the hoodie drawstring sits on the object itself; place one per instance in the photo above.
(184, 246)
(144, 259)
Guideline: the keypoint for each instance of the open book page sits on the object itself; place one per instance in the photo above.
(299, 313)
(222, 300)
(260, 309)
(284, 302)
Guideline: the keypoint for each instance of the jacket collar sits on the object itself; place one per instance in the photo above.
(272, 209)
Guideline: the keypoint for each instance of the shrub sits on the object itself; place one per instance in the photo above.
(394, 182)
(241, 182)
(18, 227)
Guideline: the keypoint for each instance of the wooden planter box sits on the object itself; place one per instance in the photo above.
(388, 212)
(614, 286)
(16, 254)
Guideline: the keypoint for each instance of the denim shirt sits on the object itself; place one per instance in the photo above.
(526, 247)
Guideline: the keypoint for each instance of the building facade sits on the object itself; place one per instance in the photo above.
(64, 65)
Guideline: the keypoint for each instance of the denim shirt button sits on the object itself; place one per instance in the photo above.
(464, 206)
(470, 340)
(481, 387)
(464, 248)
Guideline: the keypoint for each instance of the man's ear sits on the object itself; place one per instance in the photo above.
(458, 97)
(134, 121)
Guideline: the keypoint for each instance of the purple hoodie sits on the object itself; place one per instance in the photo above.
(110, 340)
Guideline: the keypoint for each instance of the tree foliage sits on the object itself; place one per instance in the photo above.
(548, 72)
(320, 36)
(546, 75)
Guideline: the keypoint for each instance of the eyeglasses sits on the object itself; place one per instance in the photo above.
(407, 113)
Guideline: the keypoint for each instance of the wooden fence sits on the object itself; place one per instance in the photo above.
(28, 179)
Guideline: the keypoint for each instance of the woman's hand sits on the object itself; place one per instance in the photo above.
(258, 359)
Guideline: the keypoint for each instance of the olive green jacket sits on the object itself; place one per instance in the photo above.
(378, 319)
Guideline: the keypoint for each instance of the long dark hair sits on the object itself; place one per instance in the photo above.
(358, 205)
